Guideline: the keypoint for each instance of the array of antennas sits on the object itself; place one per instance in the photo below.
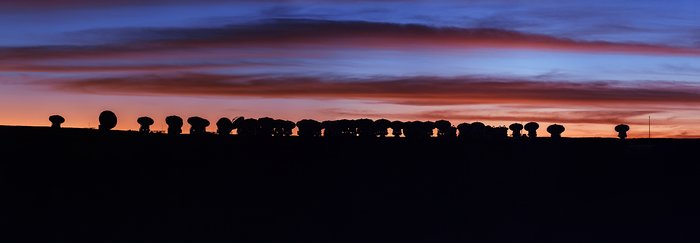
(266, 127)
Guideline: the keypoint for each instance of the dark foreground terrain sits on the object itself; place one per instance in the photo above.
(86, 186)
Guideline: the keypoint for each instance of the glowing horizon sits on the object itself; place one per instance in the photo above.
(588, 65)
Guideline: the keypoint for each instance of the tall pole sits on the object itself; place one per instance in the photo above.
(649, 126)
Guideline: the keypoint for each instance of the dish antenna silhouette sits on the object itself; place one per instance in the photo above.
(56, 121)
(108, 120)
(174, 125)
(622, 130)
(145, 123)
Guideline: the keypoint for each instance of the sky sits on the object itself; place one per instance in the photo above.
(588, 65)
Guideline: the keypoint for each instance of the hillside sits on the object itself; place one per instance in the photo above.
(81, 185)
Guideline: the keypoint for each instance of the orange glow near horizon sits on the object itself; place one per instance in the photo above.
(127, 121)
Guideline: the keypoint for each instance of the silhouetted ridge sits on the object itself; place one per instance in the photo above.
(83, 185)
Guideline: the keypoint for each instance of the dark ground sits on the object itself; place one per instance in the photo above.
(75, 185)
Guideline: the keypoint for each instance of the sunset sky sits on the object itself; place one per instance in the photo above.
(587, 64)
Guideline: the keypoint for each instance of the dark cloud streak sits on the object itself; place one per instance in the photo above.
(291, 33)
(402, 90)
(125, 68)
